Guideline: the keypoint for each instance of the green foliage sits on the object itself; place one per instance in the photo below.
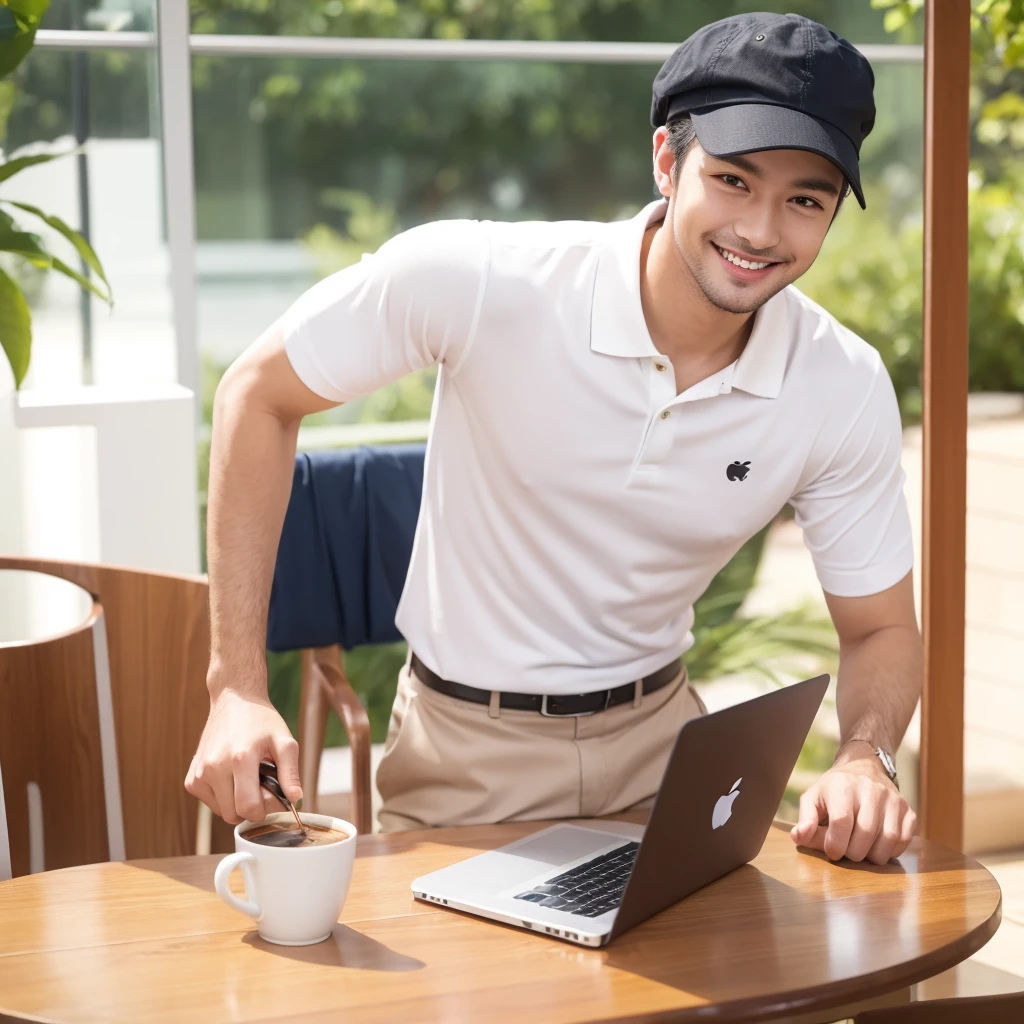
(367, 226)
(998, 28)
(871, 281)
(19, 20)
(868, 274)
(496, 19)
(997, 83)
(15, 326)
(726, 643)
(997, 72)
(436, 139)
(770, 646)
(898, 13)
(29, 247)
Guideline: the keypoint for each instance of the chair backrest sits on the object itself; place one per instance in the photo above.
(999, 1009)
(345, 547)
(103, 720)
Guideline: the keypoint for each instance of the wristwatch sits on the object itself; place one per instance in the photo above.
(889, 764)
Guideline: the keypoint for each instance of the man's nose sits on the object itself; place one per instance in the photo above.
(758, 228)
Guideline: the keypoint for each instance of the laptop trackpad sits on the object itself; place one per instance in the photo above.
(519, 862)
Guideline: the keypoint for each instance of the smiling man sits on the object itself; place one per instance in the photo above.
(619, 407)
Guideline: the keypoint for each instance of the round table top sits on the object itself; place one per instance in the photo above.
(791, 932)
(36, 606)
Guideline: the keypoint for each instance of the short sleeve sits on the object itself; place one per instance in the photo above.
(853, 511)
(413, 303)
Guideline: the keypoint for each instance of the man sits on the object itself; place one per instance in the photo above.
(619, 407)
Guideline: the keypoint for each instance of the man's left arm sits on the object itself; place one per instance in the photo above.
(854, 810)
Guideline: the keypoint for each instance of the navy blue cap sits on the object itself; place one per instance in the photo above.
(771, 81)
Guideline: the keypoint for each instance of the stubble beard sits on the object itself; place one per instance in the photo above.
(715, 296)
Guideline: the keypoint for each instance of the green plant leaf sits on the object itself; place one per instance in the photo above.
(14, 50)
(895, 19)
(10, 168)
(19, 20)
(763, 645)
(22, 243)
(15, 327)
(81, 245)
(31, 10)
(62, 268)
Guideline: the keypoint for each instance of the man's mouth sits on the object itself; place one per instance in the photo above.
(742, 267)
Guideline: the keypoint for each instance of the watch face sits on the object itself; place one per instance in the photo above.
(887, 762)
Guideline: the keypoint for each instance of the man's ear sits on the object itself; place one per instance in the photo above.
(664, 163)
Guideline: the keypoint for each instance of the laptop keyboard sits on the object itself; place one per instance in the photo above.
(589, 889)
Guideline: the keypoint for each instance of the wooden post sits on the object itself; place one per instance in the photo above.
(943, 570)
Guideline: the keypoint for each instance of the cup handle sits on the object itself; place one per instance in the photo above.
(220, 883)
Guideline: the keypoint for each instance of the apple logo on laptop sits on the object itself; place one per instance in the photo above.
(723, 808)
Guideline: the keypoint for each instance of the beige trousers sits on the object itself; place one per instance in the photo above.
(451, 762)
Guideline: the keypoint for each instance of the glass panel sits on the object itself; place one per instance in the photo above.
(323, 164)
(102, 15)
(109, 99)
(599, 20)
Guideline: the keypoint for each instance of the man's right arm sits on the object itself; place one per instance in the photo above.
(258, 407)
(414, 303)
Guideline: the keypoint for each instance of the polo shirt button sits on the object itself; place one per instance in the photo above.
(660, 367)
(665, 415)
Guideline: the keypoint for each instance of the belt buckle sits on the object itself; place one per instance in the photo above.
(573, 714)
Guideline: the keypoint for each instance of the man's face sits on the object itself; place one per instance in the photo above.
(772, 207)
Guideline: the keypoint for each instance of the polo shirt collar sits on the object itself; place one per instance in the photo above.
(761, 366)
(618, 328)
(617, 325)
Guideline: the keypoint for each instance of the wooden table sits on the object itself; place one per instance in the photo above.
(790, 934)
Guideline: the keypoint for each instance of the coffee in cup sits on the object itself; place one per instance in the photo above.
(285, 834)
(295, 893)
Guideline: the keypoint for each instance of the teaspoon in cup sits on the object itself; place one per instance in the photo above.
(268, 780)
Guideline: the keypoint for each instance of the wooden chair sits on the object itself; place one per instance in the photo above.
(105, 719)
(999, 1009)
(325, 685)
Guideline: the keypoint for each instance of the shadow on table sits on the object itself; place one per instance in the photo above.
(345, 948)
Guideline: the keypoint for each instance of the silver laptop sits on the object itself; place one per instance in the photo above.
(717, 800)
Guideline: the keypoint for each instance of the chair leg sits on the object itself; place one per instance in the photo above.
(312, 729)
(353, 714)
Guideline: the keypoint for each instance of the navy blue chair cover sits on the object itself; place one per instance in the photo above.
(345, 547)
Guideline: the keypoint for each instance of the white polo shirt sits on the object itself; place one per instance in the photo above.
(574, 506)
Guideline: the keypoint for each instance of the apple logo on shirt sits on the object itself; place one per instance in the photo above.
(738, 470)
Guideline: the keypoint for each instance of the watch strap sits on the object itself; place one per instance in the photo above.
(889, 764)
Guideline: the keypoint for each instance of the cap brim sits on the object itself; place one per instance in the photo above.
(750, 127)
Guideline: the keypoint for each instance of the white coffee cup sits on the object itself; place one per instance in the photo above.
(295, 894)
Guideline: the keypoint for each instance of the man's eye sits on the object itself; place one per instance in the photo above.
(801, 200)
(731, 179)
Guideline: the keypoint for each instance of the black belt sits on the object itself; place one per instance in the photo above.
(553, 705)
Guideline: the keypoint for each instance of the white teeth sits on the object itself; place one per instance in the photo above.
(741, 263)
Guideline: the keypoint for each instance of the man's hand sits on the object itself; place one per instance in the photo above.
(855, 811)
(240, 732)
